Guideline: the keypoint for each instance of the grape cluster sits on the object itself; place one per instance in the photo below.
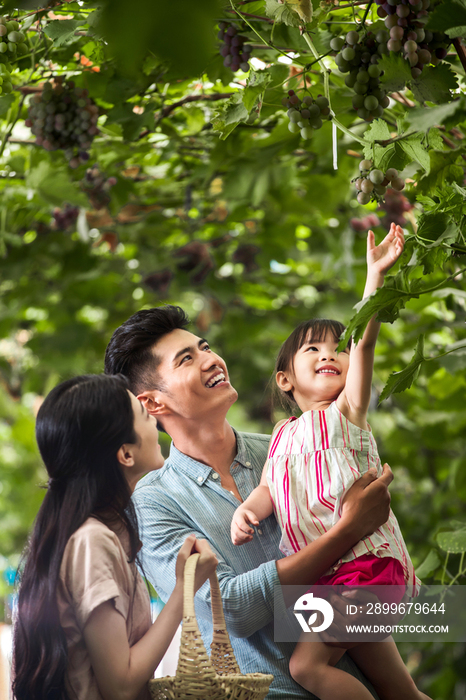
(11, 45)
(307, 114)
(404, 20)
(236, 53)
(358, 56)
(97, 186)
(364, 224)
(395, 206)
(63, 117)
(372, 182)
(64, 218)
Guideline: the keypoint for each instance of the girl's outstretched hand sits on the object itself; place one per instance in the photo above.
(382, 257)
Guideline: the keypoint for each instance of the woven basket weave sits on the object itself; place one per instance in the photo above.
(199, 677)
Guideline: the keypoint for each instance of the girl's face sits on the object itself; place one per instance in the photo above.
(318, 373)
(146, 452)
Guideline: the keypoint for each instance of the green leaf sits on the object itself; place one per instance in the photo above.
(230, 115)
(55, 185)
(256, 84)
(453, 542)
(62, 32)
(396, 72)
(448, 14)
(435, 84)
(436, 141)
(378, 131)
(414, 149)
(432, 225)
(400, 381)
(5, 103)
(423, 118)
(282, 13)
(429, 565)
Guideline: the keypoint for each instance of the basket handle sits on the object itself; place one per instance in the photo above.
(222, 651)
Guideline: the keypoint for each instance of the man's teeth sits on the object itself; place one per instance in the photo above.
(215, 380)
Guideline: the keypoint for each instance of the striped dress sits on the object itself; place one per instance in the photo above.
(313, 461)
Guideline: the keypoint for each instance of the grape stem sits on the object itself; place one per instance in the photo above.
(461, 51)
(264, 41)
(325, 72)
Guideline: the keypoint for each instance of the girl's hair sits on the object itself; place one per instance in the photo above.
(315, 329)
(80, 427)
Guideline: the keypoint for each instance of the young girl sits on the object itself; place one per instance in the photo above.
(83, 629)
(312, 462)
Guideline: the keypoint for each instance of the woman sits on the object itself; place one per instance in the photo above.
(83, 626)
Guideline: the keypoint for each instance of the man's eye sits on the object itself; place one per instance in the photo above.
(186, 357)
(206, 347)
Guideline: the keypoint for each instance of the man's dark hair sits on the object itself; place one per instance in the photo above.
(129, 351)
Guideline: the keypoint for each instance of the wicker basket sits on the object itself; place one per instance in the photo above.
(197, 676)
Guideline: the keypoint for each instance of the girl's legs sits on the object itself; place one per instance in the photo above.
(312, 665)
(382, 664)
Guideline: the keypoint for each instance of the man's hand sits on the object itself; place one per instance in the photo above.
(382, 257)
(367, 504)
(241, 530)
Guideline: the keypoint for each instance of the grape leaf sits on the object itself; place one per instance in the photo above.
(429, 565)
(422, 119)
(256, 85)
(230, 115)
(414, 148)
(453, 542)
(444, 169)
(377, 131)
(432, 225)
(396, 72)
(434, 84)
(5, 103)
(62, 31)
(303, 8)
(449, 14)
(435, 140)
(282, 13)
(385, 302)
(399, 381)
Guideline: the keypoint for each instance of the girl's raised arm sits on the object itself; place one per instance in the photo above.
(357, 392)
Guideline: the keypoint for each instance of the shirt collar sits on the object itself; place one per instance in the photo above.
(200, 472)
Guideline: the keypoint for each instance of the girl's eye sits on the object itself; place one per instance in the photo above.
(313, 347)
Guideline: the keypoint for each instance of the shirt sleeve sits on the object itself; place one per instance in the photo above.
(248, 598)
(93, 571)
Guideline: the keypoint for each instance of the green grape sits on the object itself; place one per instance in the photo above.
(391, 174)
(371, 103)
(367, 186)
(294, 128)
(376, 177)
(321, 102)
(348, 53)
(363, 198)
(337, 43)
(365, 165)
(307, 132)
(352, 37)
(295, 116)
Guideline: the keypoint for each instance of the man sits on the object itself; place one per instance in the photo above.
(211, 469)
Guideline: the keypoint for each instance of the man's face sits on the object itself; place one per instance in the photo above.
(194, 379)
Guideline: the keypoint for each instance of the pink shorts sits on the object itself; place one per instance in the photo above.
(369, 570)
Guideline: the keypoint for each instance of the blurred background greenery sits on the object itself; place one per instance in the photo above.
(251, 234)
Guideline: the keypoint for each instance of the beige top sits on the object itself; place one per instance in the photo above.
(95, 569)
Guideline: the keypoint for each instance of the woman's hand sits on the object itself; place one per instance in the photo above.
(206, 564)
(382, 257)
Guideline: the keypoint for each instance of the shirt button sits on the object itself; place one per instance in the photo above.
(215, 476)
(199, 478)
(259, 532)
(248, 464)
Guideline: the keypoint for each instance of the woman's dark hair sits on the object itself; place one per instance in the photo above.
(315, 329)
(80, 427)
(130, 350)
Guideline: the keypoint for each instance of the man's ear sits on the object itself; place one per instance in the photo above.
(283, 382)
(153, 402)
(125, 456)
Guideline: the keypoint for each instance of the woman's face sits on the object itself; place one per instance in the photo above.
(146, 452)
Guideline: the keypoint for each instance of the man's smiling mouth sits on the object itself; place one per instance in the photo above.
(216, 379)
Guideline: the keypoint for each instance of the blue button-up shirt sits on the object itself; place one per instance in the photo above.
(186, 497)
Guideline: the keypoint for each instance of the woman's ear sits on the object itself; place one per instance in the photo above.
(125, 456)
(283, 382)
